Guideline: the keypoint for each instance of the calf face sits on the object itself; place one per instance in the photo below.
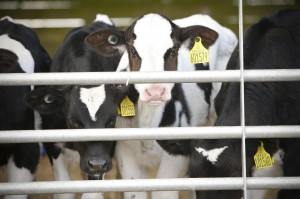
(80, 107)
(152, 43)
(89, 107)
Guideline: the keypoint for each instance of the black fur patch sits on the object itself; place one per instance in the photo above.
(206, 87)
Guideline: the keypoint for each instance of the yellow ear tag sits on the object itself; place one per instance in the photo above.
(126, 108)
(198, 54)
(262, 158)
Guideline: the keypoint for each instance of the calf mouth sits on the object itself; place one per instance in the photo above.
(98, 176)
(156, 103)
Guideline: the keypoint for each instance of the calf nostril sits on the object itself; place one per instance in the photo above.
(148, 93)
(163, 92)
(97, 163)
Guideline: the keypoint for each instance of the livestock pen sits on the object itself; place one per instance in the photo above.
(242, 132)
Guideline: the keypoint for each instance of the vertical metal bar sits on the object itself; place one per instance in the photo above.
(242, 112)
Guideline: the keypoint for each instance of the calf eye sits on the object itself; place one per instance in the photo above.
(173, 51)
(112, 39)
(48, 99)
(133, 51)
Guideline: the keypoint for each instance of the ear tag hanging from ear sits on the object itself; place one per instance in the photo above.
(262, 158)
(126, 108)
(198, 54)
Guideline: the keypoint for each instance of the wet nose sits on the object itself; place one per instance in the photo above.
(97, 164)
(155, 93)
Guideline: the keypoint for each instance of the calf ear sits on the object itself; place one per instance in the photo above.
(45, 100)
(188, 34)
(107, 42)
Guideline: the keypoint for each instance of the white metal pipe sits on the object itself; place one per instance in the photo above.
(242, 97)
(73, 135)
(52, 23)
(95, 78)
(148, 185)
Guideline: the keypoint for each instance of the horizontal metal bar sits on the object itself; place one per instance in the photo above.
(95, 78)
(65, 135)
(166, 133)
(148, 185)
(292, 131)
(52, 23)
(67, 22)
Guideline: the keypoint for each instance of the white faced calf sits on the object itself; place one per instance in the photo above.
(155, 43)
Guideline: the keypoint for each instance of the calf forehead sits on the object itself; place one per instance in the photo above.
(153, 35)
(93, 98)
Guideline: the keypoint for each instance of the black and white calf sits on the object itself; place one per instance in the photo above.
(20, 52)
(272, 43)
(78, 107)
(155, 43)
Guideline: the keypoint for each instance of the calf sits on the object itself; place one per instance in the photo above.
(272, 43)
(20, 52)
(78, 107)
(155, 43)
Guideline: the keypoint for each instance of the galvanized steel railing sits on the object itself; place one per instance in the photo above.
(149, 185)
(94, 78)
(240, 132)
(72, 135)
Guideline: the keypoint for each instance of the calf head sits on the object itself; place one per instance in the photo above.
(80, 107)
(152, 43)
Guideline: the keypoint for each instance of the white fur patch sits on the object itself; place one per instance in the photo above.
(104, 18)
(211, 155)
(93, 98)
(25, 58)
(8, 18)
(152, 41)
(60, 169)
(16, 174)
(37, 120)
(124, 63)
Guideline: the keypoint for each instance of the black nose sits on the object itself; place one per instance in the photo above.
(97, 164)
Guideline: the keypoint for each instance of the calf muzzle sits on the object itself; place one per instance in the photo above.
(96, 167)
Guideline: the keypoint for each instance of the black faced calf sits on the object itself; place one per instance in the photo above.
(79, 107)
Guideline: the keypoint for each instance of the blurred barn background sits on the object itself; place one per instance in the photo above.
(53, 19)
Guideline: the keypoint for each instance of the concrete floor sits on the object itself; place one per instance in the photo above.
(44, 173)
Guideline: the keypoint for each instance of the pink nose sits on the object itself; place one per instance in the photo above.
(155, 93)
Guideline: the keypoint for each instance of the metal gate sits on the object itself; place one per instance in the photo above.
(242, 132)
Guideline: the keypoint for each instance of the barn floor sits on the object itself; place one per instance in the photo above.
(44, 173)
